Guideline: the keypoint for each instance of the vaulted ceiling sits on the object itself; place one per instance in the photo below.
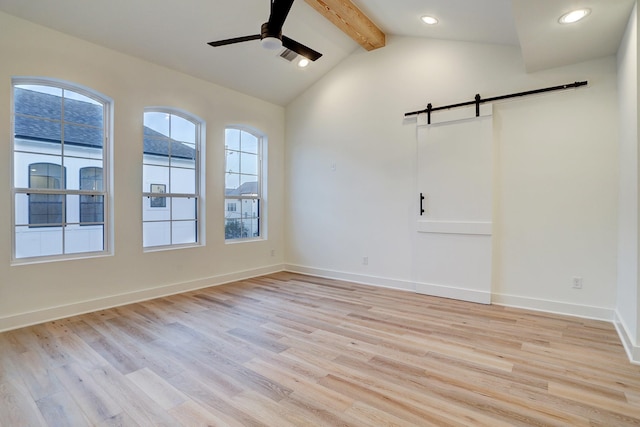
(175, 34)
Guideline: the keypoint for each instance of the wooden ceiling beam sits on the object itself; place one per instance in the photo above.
(346, 16)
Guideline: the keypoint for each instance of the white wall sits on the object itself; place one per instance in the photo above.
(628, 279)
(351, 171)
(36, 292)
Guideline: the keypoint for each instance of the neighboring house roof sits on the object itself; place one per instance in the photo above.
(38, 119)
(244, 189)
(156, 143)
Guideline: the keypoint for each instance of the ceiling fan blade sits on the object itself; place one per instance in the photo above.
(279, 11)
(300, 49)
(234, 40)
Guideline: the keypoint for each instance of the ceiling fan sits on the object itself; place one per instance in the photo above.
(271, 33)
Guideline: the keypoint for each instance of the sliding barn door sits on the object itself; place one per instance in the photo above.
(452, 251)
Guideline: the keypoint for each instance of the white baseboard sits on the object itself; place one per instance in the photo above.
(53, 313)
(632, 349)
(351, 277)
(548, 306)
(600, 313)
(405, 285)
(470, 295)
(556, 307)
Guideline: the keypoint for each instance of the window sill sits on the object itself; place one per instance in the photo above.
(171, 248)
(59, 258)
(245, 240)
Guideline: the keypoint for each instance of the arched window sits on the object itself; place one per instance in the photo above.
(172, 174)
(60, 143)
(243, 184)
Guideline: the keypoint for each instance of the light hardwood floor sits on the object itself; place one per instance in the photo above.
(291, 350)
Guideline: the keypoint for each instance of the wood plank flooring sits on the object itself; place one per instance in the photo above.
(291, 350)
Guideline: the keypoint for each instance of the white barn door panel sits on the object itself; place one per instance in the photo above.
(453, 240)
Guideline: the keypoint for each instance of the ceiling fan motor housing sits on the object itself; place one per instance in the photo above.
(266, 32)
(270, 39)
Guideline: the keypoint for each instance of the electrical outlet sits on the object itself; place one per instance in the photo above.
(576, 283)
(273, 252)
(365, 260)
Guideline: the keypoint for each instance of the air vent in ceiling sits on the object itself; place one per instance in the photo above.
(288, 54)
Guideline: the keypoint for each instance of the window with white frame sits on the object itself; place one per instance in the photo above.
(243, 184)
(59, 130)
(172, 173)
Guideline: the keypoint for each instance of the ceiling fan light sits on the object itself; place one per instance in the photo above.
(271, 43)
(304, 62)
(574, 16)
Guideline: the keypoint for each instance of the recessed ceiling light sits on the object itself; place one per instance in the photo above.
(303, 62)
(429, 20)
(574, 16)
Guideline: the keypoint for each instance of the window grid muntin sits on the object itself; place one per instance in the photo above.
(104, 105)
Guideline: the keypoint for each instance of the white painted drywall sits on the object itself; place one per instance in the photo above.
(351, 168)
(30, 293)
(628, 279)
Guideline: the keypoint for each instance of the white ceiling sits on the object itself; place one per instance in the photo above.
(174, 34)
